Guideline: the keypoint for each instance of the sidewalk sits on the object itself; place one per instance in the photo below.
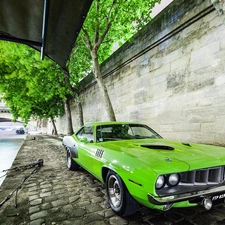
(54, 195)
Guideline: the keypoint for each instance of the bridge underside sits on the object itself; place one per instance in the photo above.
(6, 120)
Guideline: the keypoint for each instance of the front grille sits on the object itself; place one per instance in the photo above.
(196, 180)
(207, 176)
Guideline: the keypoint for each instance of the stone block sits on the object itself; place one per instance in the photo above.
(203, 53)
(166, 128)
(182, 62)
(39, 215)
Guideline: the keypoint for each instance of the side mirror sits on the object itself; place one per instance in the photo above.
(84, 140)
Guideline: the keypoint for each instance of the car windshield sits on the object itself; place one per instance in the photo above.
(115, 132)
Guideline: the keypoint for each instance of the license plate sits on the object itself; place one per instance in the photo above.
(218, 197)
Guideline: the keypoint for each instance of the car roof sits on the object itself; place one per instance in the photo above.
(108, 123)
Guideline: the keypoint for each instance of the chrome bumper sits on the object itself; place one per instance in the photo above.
(157, 200)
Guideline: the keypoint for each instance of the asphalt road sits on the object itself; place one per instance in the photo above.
(54, 195)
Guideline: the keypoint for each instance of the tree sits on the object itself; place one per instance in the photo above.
(78, 66)
(106, 23)
(32, 87)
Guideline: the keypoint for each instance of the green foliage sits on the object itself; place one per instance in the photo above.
(79, 63)
(108, 22)
(31, 87)
(114, 21)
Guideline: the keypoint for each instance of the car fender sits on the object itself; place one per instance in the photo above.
(130, 170)
(136, 183)
(70, 143)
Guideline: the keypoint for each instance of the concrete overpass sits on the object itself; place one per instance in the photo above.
(7, 123)
(6, 116)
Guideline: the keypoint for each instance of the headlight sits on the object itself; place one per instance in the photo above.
(160, 182)
(173, 179)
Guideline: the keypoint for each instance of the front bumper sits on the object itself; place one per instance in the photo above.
(157, 200)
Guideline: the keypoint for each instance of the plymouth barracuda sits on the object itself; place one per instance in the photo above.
(139, 167)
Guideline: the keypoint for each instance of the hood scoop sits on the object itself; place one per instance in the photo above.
(158, 147)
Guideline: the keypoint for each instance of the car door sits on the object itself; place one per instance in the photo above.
(85, 148)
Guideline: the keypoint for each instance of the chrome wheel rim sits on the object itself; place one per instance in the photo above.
(114, 190)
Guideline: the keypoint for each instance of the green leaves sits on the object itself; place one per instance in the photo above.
(31, 87)
(113, 21)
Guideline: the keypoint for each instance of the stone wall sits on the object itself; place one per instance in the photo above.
(171, 76)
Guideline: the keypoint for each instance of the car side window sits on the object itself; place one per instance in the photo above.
(86, 132)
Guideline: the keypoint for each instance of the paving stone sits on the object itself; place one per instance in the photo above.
(174, 217)
(46, 206)
(30, 185)
(73, 222)
(116, 220)
(184, 222)
(36, 192)
(59, 217)
(93, 208)
(59, 203)
(74, 198)
(54, 210)
(34, 209)
(78, 212)
(46, 186)
(67, 208)
(35, 188)
(33, 197)
(97, 200)
(109, 213)
(37, 222)
(82, 204)
(90, 218)
(203, 220)
(58, 187)
(39, 215)
(43, 183)
(46, 194)
(36, 202)
(160, 220)
(50, 198)
(46, 190)
(99, 223)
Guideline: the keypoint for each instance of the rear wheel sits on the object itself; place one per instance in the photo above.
(120, 200)
(70, 162)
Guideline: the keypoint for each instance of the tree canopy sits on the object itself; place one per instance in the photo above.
(31, 87)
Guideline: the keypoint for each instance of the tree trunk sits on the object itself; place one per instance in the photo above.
(54, 126)
(80, 112)
(68, 117)
(102, 87)
(75, 96)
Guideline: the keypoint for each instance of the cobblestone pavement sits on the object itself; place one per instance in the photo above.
(54, 195)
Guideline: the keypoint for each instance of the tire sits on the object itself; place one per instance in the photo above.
(120, 200)
(70, 162)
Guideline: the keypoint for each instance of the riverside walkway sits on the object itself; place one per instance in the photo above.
(54, 195)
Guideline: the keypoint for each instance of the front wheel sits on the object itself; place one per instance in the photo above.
(70, 162)
(120, 200)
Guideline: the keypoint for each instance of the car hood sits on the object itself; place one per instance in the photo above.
(167, 156)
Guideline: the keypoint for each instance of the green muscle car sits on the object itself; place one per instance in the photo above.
(139, 167)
